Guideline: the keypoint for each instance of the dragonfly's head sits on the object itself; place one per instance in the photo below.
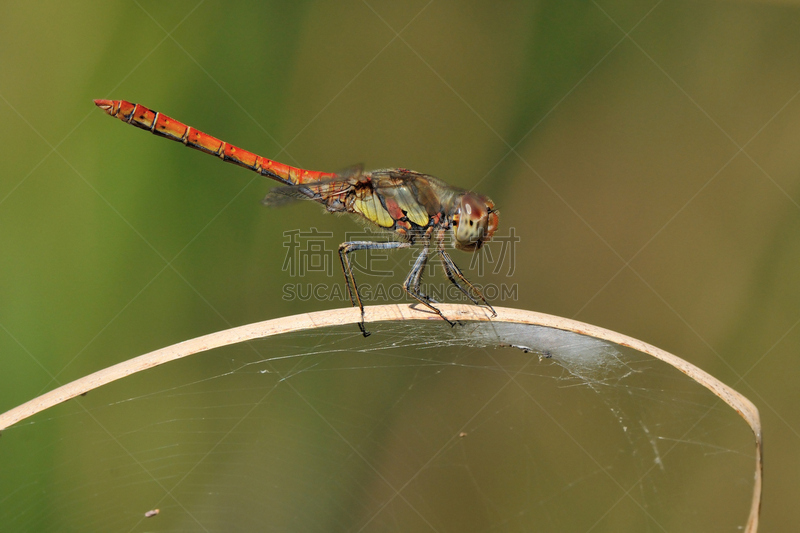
(474, 221)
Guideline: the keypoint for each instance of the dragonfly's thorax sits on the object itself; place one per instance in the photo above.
(474, 221)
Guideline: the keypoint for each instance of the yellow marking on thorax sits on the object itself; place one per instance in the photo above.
(370, 206)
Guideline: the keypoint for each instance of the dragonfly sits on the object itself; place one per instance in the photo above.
(417, 209)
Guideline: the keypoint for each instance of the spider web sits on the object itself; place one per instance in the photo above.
(420, 427)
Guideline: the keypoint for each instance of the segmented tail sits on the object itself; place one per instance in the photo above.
(164, 126)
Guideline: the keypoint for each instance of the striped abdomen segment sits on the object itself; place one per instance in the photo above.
(164, 126)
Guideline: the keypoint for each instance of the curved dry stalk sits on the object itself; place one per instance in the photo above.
(335, 317)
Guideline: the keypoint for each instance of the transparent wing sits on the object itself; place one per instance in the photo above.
(315, 190)
(281, 196)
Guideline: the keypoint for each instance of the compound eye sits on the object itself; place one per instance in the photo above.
(473, 215)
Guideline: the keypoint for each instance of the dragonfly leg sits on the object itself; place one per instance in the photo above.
(414, 286)
(453, 272)
(350, 280)
(412, 283)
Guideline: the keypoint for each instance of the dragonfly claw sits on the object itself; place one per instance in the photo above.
(362, 326)
(451, 322)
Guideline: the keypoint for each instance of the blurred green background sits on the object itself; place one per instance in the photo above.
(645, 153)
